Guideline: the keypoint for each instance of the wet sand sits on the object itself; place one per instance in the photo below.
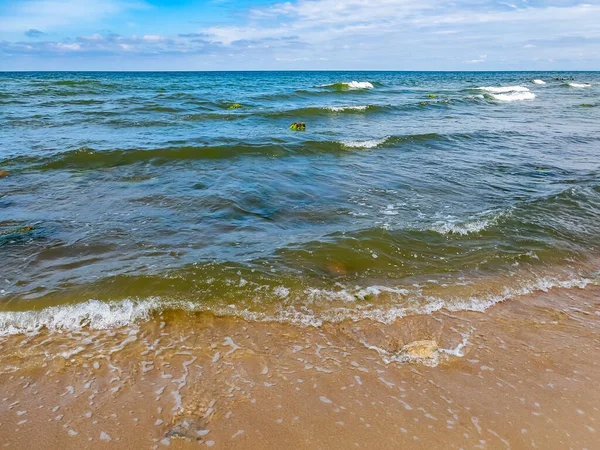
(523, 374)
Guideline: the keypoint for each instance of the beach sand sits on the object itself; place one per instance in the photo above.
(523, 374)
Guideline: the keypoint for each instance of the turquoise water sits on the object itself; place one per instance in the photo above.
(407, 192)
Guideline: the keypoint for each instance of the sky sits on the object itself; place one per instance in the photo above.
(299, 35)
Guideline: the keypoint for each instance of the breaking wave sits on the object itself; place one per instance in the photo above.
(509, 93)
(350, 85)
(98, 315)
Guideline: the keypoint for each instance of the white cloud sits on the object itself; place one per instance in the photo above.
(378, 34)
(67, 47)
(391, 30)
(482, 59)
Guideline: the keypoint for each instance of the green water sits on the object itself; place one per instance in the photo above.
(148, 190)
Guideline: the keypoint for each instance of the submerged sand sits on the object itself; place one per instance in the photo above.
(523, 374)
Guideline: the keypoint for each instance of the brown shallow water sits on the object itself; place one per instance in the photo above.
(523, 374)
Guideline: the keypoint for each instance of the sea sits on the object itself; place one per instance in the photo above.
(125, 195)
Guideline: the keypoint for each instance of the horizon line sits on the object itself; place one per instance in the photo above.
(293, 70)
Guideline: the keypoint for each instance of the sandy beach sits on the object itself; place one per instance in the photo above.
(522, 375)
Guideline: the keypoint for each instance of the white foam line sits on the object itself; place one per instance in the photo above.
(504, 89)
(371, 143)
(347, 108)
(94, 314)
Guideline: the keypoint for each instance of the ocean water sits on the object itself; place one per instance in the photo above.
(124, 194)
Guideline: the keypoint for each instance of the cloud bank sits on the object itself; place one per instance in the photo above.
(304, 34)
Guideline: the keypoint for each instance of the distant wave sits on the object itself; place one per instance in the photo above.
(509, 93)
(370, 143)
(504, 89)
(579, 85)
(326, 110)
(350, 85)
(347, 108)
(538, 82)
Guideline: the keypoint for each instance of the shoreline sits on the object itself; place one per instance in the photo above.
(521, 374)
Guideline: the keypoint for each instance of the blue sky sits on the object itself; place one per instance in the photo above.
(299, 34)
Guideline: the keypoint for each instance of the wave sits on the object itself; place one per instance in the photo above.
(158, 108)
(538, 81)
(348, 108)
(93, 314)
(349, 85)
(83, 102)
(99, 315)
(75, 82)
(515, 96)
(327, 110)
(462, 228)
(371, 143)
(504, 89)
(508, 93)
(90, 158)
(579, 85)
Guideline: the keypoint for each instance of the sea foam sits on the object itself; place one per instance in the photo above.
(371, 143)
(93, 314)
(504, 89)
(98, 315)
(509, 93)
(351, 85)
(579, 85)
(538, 82)
(347, 108)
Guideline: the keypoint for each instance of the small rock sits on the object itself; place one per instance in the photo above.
(421, 349)
(4, 173)
(298, 126)
(234, 106)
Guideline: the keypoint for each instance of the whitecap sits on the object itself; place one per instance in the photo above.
(351, 85)
(504, 89)
(580, 85)
(461, 228)
(473, 225)
(538, 81)
(514, 96)
(360, 85)
(371, 143)
(347, 108)
(509, 93)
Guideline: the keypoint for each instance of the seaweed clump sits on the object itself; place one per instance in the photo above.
(298, 126)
